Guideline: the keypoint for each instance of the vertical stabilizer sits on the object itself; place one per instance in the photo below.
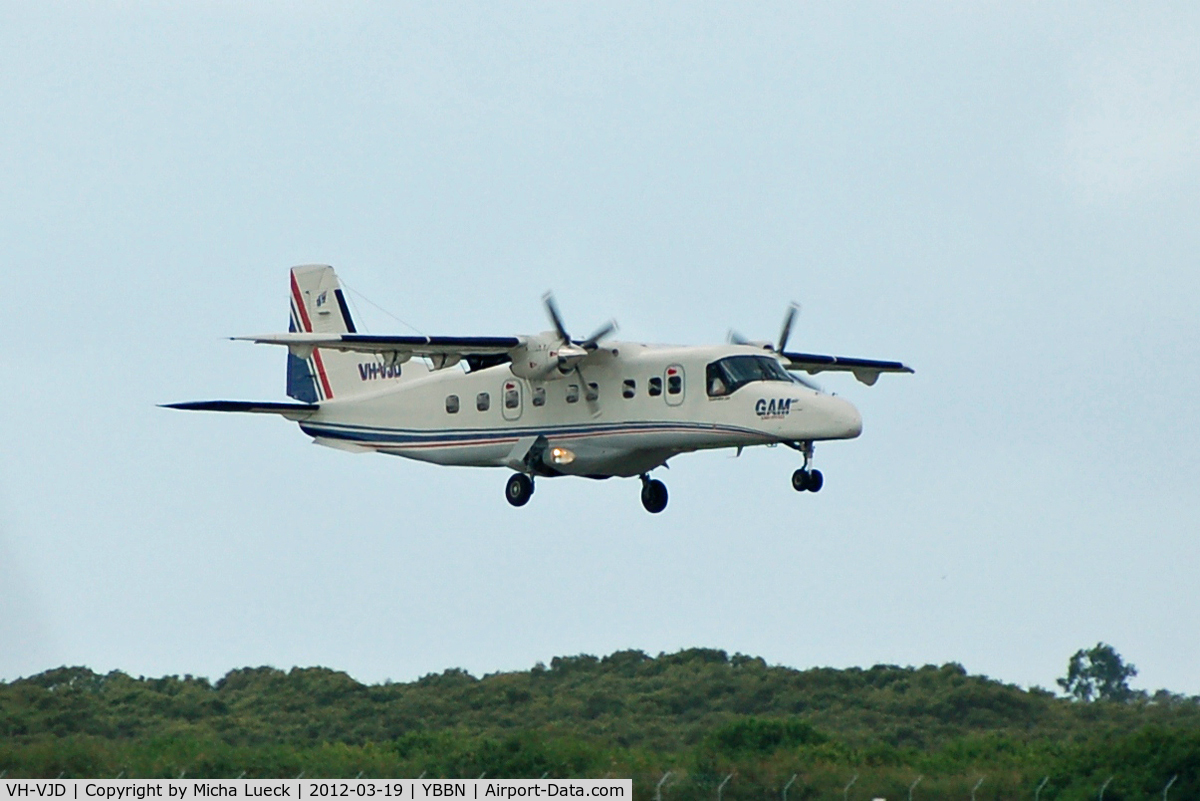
(318, 306)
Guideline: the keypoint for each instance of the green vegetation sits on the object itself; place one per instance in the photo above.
(699, 713)
(1098, 673)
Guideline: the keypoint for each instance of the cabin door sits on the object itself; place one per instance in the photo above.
(512, 399)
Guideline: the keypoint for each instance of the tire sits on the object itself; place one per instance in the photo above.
(815, 481)
(800, 481)
(519, 489)
(654, 496)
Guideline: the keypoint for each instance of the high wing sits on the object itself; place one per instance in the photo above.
(492, 350)
(865, 370)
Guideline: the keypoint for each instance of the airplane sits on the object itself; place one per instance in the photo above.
(547, 405)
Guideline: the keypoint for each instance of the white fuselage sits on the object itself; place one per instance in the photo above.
(651, 403)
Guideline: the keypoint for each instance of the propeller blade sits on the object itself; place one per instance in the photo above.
(786, 331)
(737, 339)
(593, 405)
(600, 333)
(555, 317)
(808, 382)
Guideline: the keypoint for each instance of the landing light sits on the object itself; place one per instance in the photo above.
(561, 456)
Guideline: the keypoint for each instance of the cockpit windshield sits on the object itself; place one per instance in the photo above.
(728, 375)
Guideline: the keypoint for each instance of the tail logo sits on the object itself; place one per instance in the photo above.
(321, 299)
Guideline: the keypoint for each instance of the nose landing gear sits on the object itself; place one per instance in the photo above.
(654, 494)
(806, 478)
(519, 489)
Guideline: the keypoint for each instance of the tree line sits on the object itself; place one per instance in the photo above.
(700, 714)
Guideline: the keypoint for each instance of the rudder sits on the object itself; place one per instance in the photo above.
(318, 306)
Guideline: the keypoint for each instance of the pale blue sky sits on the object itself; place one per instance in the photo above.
(1004, 196)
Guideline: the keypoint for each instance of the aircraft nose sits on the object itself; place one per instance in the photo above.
(849, 419)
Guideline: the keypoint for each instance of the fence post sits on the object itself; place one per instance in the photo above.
(721, 787)
(789, 784)
(658, 788)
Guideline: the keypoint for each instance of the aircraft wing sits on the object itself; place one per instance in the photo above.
(865, 370)
(303, 344)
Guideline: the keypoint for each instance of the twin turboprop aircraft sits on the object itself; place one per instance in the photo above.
(547, 404)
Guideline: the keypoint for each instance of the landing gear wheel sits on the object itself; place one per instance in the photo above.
(654, 495)
(815, 481)
(805, 480)
(520, 487)
(800, 480)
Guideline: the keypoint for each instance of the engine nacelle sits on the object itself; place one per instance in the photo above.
(545, 358)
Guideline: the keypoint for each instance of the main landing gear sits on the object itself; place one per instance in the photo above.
(519, 489)
(810, 480)
(806, 478)
(654, 494)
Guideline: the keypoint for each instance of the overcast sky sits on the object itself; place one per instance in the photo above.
(1004, 196)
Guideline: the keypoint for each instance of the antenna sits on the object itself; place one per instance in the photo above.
(976, 787)
(1104, 787)
(846, 791)
(1038, 791)
(913, 786)
(1168, 787)
(721, 787)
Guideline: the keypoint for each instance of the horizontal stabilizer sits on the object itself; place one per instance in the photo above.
(292, 411)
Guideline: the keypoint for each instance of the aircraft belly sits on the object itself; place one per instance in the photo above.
(634, 453)
(478, 455)
(617, 448)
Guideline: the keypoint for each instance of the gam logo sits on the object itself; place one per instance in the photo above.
(773, 409)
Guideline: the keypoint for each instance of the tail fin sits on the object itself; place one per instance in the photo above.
(318, 306)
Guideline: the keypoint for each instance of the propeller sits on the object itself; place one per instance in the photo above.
(736, 338)
(589, 344)
(555, 317)
(786, 331)
(576, 352)
(785, 334)
(593, 341)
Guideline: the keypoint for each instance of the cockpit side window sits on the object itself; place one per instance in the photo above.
(728, 375)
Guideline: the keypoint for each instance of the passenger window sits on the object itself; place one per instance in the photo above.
(572, 393)
(512, 397)
(483, 401)
(452, 404)
(593, 391)
(674, 385)
(655, 388)
(629, 389)
(539, 396)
